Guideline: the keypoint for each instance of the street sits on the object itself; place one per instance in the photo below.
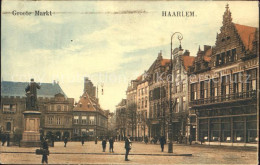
(141, 153)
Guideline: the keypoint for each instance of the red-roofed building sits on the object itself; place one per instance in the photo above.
(89, 119)
(223, 85)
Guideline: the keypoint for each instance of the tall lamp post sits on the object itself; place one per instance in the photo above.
(170, 129)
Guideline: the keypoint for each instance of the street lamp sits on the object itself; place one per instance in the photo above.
(170, 130)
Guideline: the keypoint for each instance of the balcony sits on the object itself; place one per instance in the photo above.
(224, 98)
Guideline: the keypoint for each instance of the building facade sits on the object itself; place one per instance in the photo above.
(89, 119)
(13, 104)
(121, 120)
(223, 84)
(58, 117)
(142, 107)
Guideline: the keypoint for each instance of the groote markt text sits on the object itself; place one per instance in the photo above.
(35, 13)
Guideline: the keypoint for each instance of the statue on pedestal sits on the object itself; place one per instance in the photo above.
(31, 93)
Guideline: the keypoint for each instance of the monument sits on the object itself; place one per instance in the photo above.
(31, 133)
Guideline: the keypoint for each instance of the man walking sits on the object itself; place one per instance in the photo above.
(82, 140)
(104, 143)
(128, 145)
(162, 142)
(65, 141)
(111, 144)
(45, 152)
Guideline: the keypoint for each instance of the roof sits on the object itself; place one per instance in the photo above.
(10, 88)
(207, 55)
(247, 35)
(187, 61)
(86, 103)
(165, 61)
(122, 102)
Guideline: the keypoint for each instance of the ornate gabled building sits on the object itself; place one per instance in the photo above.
(181, 61)
(223, 84)
(158, 96)
(89, 118)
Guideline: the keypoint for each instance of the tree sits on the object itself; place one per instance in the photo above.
(131, 116)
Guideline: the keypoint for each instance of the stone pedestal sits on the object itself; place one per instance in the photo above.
(31, 134)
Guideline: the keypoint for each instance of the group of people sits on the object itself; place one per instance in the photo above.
(111, 144)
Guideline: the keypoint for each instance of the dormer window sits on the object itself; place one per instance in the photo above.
(88, 105)
(80, 104)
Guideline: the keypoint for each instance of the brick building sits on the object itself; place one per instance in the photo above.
(223, 84)
(89, 119)
(13, 102)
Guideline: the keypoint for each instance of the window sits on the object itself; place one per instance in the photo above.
(202, 89)
(52, 108)
(84, 119)
(58, 121)
(146, 102)
(218, 60)
(76, 119)
(222, 58)
(251, 79)
(9, 108)
(193, 92)
(67, 120)
(91, 120)
(233, 55)
(225, 85)
(65, 108)
(214, 87)
(142, 103)
(58, 108)
(50, 119)
(177, 108)
(228, 58)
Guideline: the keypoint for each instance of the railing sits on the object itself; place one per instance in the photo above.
(230, 97)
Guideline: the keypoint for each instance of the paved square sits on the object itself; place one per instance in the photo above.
(141, 153)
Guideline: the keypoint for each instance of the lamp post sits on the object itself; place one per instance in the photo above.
(170, 129)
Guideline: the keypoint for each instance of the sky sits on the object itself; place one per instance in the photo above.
(110, 42)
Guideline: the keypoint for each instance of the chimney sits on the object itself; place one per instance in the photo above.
(186, 53)
(160, 55)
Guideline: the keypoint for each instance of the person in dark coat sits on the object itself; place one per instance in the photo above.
(44, 155)
(162, 142)
(3, 139)
(128, 145)
(111, 144)
(8, 139)
(104, 144)
(146, 140)
(82, 141)
(65, 141)
(190, 139)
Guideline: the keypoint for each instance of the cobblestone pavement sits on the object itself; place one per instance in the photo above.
(141, 153)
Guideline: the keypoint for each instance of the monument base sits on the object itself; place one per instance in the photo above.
(31, 134)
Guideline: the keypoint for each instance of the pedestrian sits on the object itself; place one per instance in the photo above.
(104, 143)
(45, 154)
(190, 139)
(111, 144)
(146, 140)
(82, 141)
(162, 142)
(8, 139)
(128, 145)
(65, 141)
(96, 140)
(3, 139)
(52, 140)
